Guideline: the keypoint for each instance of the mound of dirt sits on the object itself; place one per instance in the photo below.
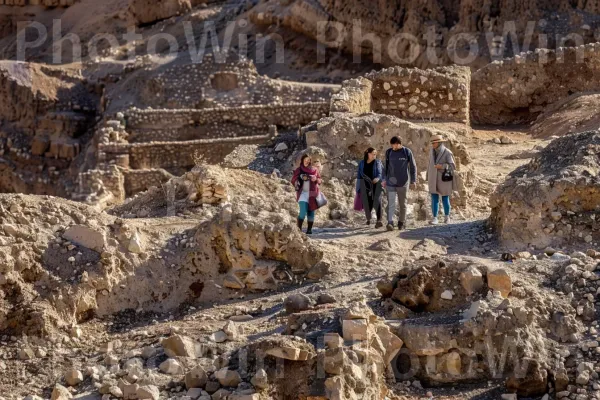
(576, 114)
(65, 262)
(554, 199)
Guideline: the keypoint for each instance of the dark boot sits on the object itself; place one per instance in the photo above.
(300, 223)
(310, 225)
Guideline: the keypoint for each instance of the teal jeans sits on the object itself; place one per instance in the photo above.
(304, 212)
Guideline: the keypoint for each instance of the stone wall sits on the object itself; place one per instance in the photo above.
(354, 97)
(181, 154)
(287, 115)
(440, 94)
(227, 80)
(553, 200)
(194, 131)
(136, 181)
(517, 90)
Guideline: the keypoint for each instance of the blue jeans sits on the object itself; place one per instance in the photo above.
(435, 204)
(304, 211)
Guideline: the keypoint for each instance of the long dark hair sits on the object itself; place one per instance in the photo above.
(304, 157)
(367, 152)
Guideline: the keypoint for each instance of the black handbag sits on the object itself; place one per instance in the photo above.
(447, 175)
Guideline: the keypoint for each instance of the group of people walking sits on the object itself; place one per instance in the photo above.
(395, 175)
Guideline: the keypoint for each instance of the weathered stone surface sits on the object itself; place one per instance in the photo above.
(471, 279)
(297, 303)
(228, 378)
(87, 237)
(355, 329)
(181, 346)
(562, 179)
(149, 392)
(146, 11)
(196, 378)
(61, 393)
(499, 280)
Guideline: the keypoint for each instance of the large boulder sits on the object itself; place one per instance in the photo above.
(554, 199)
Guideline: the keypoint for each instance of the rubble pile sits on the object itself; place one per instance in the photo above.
(462, 321)
(553, 200)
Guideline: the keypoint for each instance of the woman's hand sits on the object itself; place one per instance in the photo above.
(375, 180)
(313, 178)
(439, 166)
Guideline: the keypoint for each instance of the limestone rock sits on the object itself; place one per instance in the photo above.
(471, 279)
(135, 244)
(181, 346)
(147, 11)
(196, 378)
(355, 329)
(228, 378)
(297, 303)
(149, 392)
(86, 237)
(499, 280)
(73, 377)
(171, 367)
(260, 380)
(61, 393)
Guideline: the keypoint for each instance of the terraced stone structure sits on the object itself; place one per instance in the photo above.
(206, 111)
(440, 94)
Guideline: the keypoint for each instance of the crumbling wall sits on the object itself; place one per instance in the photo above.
(440, 94)
(517, 90)
(554, 199)
(136, 181)
(467, 324)
(44, 112)
(354, 97)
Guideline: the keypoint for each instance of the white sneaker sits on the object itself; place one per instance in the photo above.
(446, 219)
(434, 221)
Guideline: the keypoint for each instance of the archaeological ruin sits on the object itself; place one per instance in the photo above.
(153, 247)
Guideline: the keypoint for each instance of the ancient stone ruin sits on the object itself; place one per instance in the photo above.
(149, 236)
(552, 200)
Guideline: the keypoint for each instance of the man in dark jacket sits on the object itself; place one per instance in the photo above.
(400, 171)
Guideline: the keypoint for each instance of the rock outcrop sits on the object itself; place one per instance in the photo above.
(554, 199)
(351, 26)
